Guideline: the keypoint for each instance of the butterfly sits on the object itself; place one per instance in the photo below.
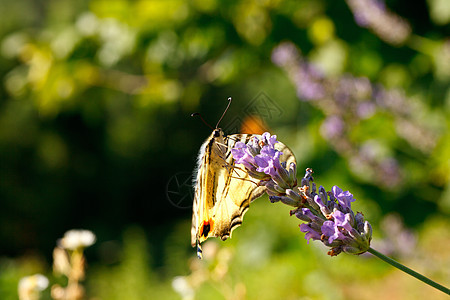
(223, 190)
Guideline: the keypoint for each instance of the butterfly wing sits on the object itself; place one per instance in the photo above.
(236, 189)
(223, 191)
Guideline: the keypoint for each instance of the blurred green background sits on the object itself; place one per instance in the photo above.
(96, 133)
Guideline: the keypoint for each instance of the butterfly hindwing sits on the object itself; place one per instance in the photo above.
(223, 191)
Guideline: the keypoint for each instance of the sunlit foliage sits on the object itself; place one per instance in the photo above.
(94, 129)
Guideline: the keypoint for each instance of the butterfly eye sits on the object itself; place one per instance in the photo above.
(216, 133)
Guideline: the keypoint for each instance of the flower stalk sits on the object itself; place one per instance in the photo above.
(409, 271)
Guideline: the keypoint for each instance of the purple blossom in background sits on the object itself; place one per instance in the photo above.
(349, 89)
(397, 239)
(283, 56)
(308, 82)
(346, 101)
(391, 169)
(307, 77)
(332, 127)
(363, 16)
(385, 24)
(343, 91)
(365, 110)
(328, 216)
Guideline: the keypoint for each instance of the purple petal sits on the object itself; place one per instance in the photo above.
(269, 140)
(344, 198)
(243, 156)
(268, 161)
(310, 233)
(343, 220)
(330, 229)
(332, 127)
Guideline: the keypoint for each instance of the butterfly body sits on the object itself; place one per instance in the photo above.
(223, 191)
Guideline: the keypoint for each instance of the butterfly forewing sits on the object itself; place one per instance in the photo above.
(223, 191)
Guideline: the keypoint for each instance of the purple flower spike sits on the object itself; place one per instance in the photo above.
(328, 215)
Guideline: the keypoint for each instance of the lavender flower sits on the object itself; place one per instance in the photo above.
(338, 226)
(328, 216)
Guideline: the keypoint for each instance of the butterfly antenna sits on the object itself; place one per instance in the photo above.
(196, 114)
(229, 103)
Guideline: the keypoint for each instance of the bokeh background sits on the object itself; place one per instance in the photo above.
(96, 133)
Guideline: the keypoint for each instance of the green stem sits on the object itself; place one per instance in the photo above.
(409, 271)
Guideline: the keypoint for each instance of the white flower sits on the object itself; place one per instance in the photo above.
(183, 288)
(30, 286)
(74, 239)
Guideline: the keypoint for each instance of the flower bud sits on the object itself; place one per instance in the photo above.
(285, 200)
